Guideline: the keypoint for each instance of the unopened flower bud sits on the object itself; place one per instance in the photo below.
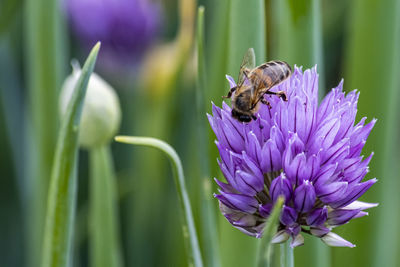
(101, 114)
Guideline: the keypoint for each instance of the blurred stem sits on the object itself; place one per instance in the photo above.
(296, 28)
(287, 259)
(372, 62)
(208, 224)
(44, 59)
(265, 248)
(61, 202)
(104, 231)
(188, 227)
(8, 11)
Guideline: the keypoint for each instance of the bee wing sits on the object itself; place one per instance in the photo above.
(248, 62)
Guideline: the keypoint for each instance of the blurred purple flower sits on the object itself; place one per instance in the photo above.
(126, 28)
(310, 154)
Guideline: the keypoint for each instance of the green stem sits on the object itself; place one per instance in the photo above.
(287, 259)
(45, 66)
(104, 232)
(265, 247)
(189, 230)
(62, 191)
(209, 233)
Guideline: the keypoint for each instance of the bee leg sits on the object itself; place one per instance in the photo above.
(233, 89)
(265, 102)
(281, 94)
(253, 117)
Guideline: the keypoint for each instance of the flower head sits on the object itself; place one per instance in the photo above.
(126, 28)
(307, 153)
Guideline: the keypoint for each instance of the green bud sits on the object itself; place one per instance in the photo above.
(101, 114)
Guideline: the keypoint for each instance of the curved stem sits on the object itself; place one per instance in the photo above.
(189, 230)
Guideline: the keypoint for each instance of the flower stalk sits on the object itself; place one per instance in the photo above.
(188, 226)
(105, 250)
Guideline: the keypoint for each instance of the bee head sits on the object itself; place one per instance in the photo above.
(241, 116)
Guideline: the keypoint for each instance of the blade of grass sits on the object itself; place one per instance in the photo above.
(188, 227)
(45, 65)
(372, 64)
(210, 243)
(296, 33)
(8, 11)
(104, 231)
(265, 248)
(217, 20)
(246, 29)
(62, 191)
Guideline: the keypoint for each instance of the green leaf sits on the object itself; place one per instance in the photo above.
(45, 65)
(188, 227)
(104, 242)
(265, 248)
(62, 192)
(372, 64)
(296, 34)
(209, 235)
(246, 30)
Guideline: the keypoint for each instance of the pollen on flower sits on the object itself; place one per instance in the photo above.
(308, 153)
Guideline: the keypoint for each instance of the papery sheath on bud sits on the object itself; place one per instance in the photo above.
(101, 113)
(305, 152)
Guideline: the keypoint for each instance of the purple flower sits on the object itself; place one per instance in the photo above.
(126, 28)
(307, 153)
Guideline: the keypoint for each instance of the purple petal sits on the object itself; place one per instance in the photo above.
(288, 216)
(304, 197)
(319, 231)
(231, 81)
(253, 147)
(270, 157)
(336, 152)
(341, 216)
(248, 184)
(281, 186)
(225, 187)
(293, 169)
(325, 174)
(331, 192)
(353, 193)
(265, 210)
(239, 202)
(317, 217)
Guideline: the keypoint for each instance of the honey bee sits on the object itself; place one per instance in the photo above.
(254, 83)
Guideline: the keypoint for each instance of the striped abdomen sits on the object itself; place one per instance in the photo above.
(271, 73)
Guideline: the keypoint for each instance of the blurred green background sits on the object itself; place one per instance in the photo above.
(166, 79)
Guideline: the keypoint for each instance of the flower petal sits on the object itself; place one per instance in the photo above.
(334, 240)
(304, 197)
